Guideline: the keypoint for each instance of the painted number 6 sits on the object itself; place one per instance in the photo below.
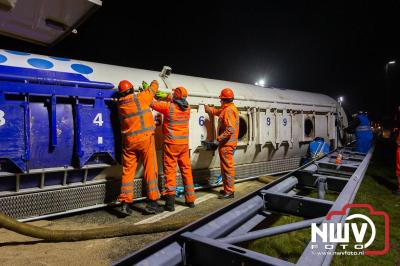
(201, 120)
(2, 120)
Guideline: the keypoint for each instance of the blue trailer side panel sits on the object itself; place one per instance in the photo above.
(12, 134)
(43, 154)
(57, 129)
(95, 132)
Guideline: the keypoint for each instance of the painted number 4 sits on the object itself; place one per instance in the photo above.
(2, 120)
(98, 120)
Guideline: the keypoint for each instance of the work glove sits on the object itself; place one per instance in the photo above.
(207, 108)
(214, 145)
(144, 87)
(211, 146)
(154, 82)
(161, 95)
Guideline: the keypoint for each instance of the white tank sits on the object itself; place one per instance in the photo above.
(276, 124)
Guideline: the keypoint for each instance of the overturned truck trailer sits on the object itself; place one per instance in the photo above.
(60, 137)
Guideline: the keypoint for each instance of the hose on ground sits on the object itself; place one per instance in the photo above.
(96, 233)
(267, 179)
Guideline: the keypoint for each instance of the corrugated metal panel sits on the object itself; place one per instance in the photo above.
(56, 199)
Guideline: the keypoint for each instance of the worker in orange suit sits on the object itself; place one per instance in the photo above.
(227, 139)
(137, 127)
(176, 145)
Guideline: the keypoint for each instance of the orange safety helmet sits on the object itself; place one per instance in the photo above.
(180, 93)
(227, 93)
(124, 85)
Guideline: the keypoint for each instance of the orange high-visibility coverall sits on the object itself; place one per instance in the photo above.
(137, 125)
(228, 124)
(176, 148)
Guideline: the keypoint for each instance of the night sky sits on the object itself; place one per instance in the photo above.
(332, 47)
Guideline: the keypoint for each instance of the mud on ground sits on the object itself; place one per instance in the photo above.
(16, 249)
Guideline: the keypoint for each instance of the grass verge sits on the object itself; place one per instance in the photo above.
(376, 189)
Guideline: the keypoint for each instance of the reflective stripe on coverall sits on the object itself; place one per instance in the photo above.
(228, 124)
(137, 125)
(363, 135)
(176, 148)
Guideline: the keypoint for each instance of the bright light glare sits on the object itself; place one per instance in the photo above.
(340, 99)
(392, 62)
(261, 83)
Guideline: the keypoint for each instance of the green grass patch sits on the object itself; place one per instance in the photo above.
(376, 189)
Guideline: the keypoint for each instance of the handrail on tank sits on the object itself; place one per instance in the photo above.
(242, 98)
(58, 90)
(17, 74)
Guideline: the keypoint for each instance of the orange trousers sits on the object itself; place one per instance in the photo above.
(178, 153)
(398, 166)
(144, 150)
(227, 167)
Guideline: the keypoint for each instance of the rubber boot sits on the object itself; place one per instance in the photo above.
(152, 207)
(169, 203)
(225, 195)
(123, 209)
(190, 204)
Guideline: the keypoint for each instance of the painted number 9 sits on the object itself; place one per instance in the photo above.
(284, 122)
(201, 120)
(2, 120)
(268, 121)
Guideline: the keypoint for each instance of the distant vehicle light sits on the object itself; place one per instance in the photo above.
(386, 134)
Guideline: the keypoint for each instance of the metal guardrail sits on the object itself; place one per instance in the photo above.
(211, 240)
